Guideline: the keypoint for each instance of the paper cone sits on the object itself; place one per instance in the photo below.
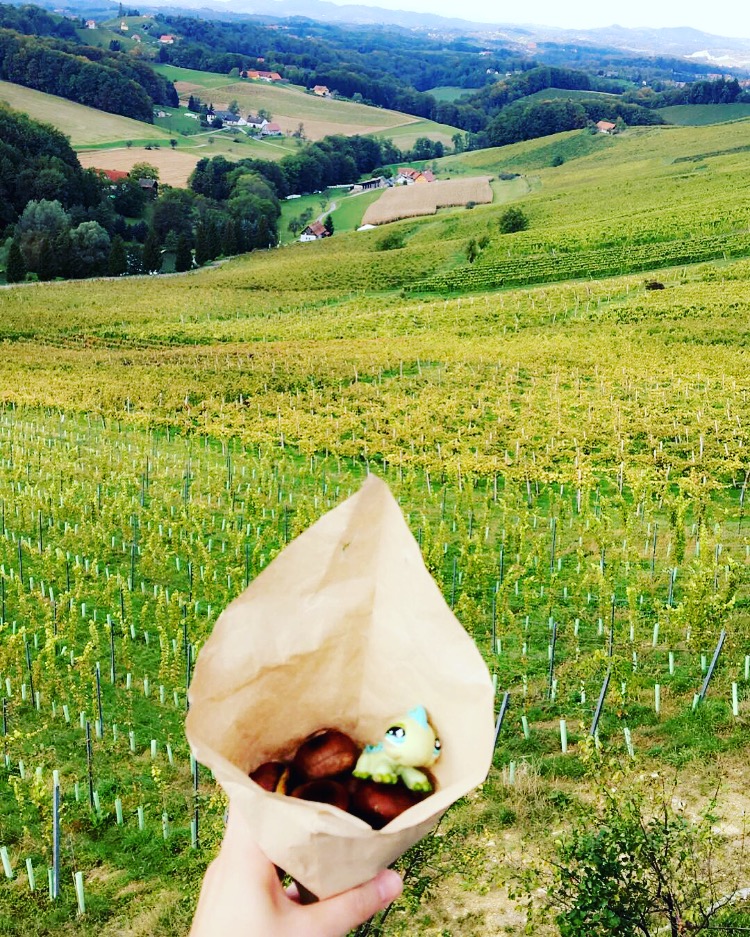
(345, 629)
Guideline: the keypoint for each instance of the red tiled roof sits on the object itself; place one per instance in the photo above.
(318, 229)
(114, 175)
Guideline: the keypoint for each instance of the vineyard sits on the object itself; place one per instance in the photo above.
(572, 458)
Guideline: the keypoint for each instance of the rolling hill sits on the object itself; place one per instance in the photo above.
(107, 141)
(562, 414)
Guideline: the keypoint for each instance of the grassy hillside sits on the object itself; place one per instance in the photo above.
(85, 126)
(554, 94)
(291, 105)
(571, 456)
(699, 115)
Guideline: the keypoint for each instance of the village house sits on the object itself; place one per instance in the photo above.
(314, 232)
(227, 117)
(409, 176)
(167, 39)
(149, 186)
(114, 176)
(322, 91)
(256, 123)
(262, 76)
(605, 126)
(124, 27)
(90, 24)
(272, 130)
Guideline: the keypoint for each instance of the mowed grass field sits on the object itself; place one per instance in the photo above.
(409, 201)
(291, 106)
(175, 166)
(700, 115)
(85, 126)
(407, 134)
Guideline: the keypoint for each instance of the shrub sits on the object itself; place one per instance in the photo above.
(513, 219)
(391, 241)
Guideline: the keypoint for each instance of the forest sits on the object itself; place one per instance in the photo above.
(42, 52)
(62, 221)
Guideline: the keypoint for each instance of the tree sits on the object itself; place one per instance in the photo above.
(173, 143)
(184, 256)
(152, 253)
(43, 233)
(511, 220)
(143, 171)
(15, 270)
(90, 247)
(117, 263)
(233, 107)
(230, 244)
(174, 211)
(328, 224)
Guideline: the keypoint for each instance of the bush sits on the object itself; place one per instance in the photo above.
(513, 219)
(391, 241)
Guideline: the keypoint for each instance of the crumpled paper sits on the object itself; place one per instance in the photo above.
(347, 629)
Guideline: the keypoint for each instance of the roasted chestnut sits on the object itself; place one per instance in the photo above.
(378, 804)
(268, 775)
(325, 754)
(324, 792)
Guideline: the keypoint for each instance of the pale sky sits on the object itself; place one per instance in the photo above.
(726, 18)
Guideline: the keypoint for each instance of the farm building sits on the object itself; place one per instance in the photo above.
(605, 126)
(409, 176)
(263, 76)
(314, 232)
(322, 91)
(272, 130)
(255, 122)
(227, 117)
(377, 182)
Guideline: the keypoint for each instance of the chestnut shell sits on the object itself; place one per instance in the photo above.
(324, 791)
(325, 754)
(378, 804)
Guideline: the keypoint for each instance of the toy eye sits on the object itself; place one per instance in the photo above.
(397, 733)
(438, 745)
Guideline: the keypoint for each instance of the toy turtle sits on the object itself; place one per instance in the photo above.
(409, 743)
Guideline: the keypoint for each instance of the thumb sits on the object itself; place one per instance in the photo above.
(342, 913)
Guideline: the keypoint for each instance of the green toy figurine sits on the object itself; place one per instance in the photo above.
(409, 743)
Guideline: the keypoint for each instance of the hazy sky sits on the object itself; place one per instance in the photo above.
(726, 18)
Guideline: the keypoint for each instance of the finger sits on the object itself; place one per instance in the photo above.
(336, 916)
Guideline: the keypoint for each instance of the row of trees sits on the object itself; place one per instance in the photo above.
(719, 91)
(334, 160)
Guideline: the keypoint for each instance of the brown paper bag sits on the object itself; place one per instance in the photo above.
(345, 629)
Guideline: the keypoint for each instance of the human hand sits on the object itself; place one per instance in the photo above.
(241, 895)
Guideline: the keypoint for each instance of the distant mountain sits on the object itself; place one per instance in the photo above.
(678, 41)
